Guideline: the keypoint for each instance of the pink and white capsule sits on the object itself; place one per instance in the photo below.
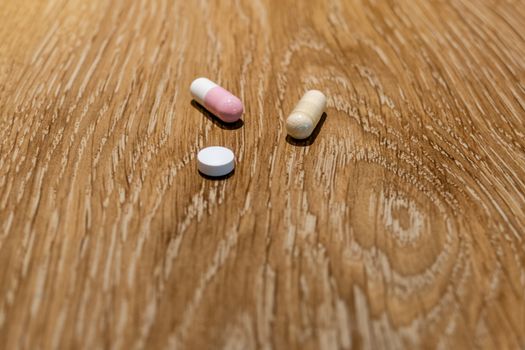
(217, 100)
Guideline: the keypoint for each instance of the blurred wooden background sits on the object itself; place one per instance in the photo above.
(400, 225)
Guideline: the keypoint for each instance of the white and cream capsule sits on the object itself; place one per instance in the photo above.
(217, 100)
(304, 118)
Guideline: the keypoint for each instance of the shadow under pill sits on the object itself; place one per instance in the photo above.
(311, 139)
(228, 126)
(217, 178)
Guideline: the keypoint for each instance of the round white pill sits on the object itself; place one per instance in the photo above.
(215, 161)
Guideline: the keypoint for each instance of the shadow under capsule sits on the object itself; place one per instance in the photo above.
(310, 139)
(228, 126)
(217, 178)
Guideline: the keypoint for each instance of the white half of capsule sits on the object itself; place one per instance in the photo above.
(200, 87)
(304, 118)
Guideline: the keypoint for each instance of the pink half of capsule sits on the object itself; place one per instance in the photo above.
(217, 100)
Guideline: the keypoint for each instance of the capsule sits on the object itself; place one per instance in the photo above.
(306, 114)
(217, 100)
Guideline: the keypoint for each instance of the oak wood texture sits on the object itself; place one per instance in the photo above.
(400, 224)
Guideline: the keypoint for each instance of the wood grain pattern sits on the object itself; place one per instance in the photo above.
(400, 225)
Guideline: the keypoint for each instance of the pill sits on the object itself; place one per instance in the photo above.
(217, 100)
(215, 161)
(306, 114)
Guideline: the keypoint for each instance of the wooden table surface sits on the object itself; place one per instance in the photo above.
(399, 224)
